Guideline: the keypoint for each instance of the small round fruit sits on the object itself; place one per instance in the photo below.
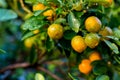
(29, 42)
(92, 40)
(78, 44)
(55, 31)
(85, 66)
(107, 31)
(92, 24)
(38, 6)
(94, 56)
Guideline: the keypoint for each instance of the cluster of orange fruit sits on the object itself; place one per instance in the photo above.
(85, 66)
(95, 33)
(92, 39)
(49, 13)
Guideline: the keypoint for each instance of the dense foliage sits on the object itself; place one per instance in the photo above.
(59, 39)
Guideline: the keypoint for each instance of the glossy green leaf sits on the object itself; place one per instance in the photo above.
(112, 46)
(39, 76)
(73, 22)
(6, 14)
(34, 23)
(103, 77)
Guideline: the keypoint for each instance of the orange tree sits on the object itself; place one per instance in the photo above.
(79, 38)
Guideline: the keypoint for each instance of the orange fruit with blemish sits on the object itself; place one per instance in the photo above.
(78, 44)
(92, 24)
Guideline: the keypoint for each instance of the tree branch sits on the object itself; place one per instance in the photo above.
(24, 7)
(14, 66)
(49, 73)
(26, 64)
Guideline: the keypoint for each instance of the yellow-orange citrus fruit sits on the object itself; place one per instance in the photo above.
(38, 6)
(55, 31)
(107, 31)
(85, 66)
(78, 44)
(29, 42)
(36, 31)
(49, 13)
(94, 56)
(92, 24)
(92, 40)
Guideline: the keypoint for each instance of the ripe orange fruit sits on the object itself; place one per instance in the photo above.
(92, 40)
(29, 42)
(78, 44)
(38, 6)
(92, 24)
(49, 13)
(55, 31)
(107, 31)
(94, 56)
(85, 66)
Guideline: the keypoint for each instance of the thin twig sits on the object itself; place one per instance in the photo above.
(14, 66)
(49, 73)
(24, 7)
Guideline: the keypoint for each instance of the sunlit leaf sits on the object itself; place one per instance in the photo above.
(73, 22)
(34, 23)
